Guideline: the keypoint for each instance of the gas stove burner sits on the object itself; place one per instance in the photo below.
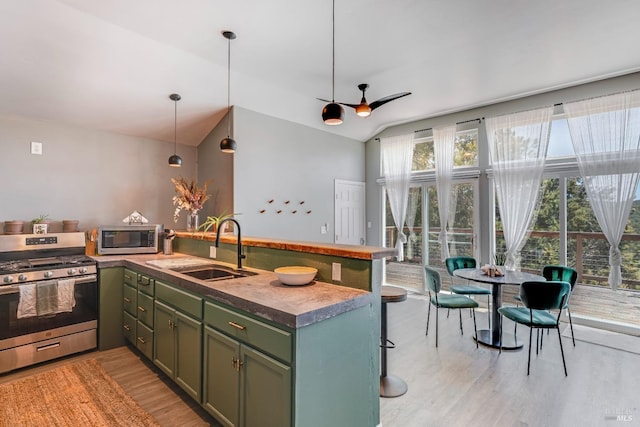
(13, 266)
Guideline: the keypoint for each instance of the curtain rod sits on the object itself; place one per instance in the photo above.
(479, 120)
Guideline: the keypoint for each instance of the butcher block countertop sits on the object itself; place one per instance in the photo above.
(262, 294)
(346, 251)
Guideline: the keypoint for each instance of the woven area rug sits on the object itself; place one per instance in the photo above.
(78, 394)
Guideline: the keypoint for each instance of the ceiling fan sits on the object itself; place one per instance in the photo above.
(363, 109)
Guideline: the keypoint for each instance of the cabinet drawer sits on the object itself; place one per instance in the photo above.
(145, 309)
(129, 327)
(146, 284)
(130, 277)
(144, 339)
(130, 300)
(253, 332)
(179, 299)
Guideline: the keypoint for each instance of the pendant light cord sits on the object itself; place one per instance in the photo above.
(175, 126)
(228, 86)
(333, 53)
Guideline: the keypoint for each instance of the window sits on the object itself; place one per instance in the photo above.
(465, 152)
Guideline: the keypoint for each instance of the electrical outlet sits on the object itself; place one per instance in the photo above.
(212, 251)
(323, 229)
(36, 147)
(336, 271)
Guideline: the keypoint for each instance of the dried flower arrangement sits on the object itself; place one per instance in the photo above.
(188, 196)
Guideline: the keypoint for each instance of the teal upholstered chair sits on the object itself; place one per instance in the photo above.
(538, 298)
(564, 274)
(440, 300)
(455, 263)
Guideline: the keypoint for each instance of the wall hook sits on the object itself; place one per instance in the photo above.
(279, 211)
(308, 212)
(293, 212)
(270, 201)
(262, 211)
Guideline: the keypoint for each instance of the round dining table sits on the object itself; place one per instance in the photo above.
(491, 337)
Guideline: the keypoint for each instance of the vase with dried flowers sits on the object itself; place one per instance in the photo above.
(191, 198)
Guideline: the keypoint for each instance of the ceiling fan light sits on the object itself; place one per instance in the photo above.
(228, 145)
(363, 110)
(333, 114)
(175, 161)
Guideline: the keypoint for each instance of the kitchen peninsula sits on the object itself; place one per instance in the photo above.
(309, 353)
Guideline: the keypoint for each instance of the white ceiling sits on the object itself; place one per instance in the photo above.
(111, 65)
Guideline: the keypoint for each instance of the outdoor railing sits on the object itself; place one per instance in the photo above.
(587, 252)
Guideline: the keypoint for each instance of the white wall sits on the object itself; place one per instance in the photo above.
(280, 160)
(93, 176)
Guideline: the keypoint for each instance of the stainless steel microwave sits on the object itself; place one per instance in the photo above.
(128, 239)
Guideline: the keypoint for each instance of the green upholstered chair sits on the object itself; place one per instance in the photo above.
(564, 274)
(433, 286)
(538, 298)
(455, 263)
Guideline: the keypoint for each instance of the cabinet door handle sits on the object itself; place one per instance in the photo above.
(127, 277)
(171, 324)
(127, 327)
(238, 326)
(141, 308)
(142, 340)
(126, 299)
(236, 364)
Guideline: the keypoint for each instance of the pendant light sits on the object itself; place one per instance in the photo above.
(175, 161)
(333, 113)
(228, 145)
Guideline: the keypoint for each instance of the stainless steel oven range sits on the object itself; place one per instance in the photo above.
(48, 298)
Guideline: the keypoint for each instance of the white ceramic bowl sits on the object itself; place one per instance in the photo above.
(296, 275)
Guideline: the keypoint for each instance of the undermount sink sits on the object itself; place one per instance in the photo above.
(213, 273)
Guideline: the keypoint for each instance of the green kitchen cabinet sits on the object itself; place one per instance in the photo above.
(110, 309)
(178, 337)
(243, 385)
(137, 310)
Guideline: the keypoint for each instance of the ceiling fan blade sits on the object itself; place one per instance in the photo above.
(348, 105)
(382, 101)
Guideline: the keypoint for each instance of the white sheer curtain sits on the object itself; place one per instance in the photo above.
(414, 198)
(606, 138)
(397, 158)
(443, 145)
(518, 147)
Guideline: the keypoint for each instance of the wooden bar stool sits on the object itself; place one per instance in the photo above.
(390, 385)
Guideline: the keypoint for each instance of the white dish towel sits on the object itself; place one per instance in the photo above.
(66, 300)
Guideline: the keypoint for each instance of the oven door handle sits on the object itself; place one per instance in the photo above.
(12, 289)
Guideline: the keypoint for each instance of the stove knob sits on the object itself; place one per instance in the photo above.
(8, 279)
(22, 277)
(83, 270)
(72, 271)
(48, 274)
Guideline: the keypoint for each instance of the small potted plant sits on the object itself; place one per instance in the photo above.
(213, 222)
(40, 224)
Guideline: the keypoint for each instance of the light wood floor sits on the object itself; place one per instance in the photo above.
(459, 385)
(149, 387)
(453, 385)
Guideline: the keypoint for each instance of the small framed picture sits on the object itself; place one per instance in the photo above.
(40, 228)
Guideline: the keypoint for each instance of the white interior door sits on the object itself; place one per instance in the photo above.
(349, 215)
